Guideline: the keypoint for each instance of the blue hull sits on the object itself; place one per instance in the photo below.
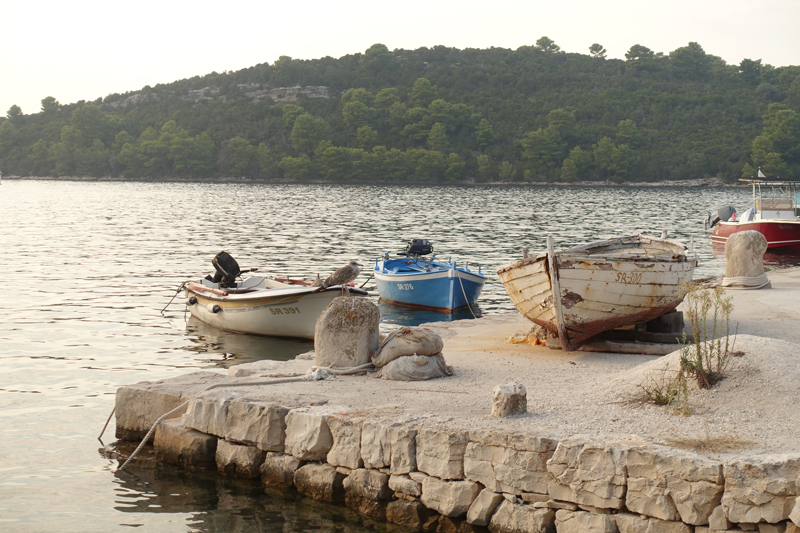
(443, 287)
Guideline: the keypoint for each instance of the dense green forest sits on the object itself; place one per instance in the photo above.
(432, 115)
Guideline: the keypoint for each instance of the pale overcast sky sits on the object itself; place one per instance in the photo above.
(85, 49)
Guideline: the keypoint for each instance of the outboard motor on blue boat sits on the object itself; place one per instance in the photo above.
(418, 247)
(724, 213)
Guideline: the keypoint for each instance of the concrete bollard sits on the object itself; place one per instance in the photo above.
(346, 334)
(509, 399)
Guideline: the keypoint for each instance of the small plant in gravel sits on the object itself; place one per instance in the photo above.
(661, 388)
(707, 358)
(668, 388)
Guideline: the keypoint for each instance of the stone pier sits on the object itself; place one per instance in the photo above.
(432, 476)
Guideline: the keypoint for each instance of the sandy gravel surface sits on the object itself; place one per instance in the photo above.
(756, 409)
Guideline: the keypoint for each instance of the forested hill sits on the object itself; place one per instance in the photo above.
(438, 115)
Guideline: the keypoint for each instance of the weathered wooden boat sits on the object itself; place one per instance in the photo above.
(600, 286)
(774, 214)
(258, 304)
(417, 281)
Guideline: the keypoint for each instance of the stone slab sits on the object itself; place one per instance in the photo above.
(178, 445)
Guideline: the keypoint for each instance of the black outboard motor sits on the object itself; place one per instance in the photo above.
(417, 247)
(227, 270)
(724, 213)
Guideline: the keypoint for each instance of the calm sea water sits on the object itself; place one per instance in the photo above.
(88, 267)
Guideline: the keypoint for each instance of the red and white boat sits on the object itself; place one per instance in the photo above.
(774, 214)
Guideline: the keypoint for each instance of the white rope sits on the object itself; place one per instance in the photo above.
(338, 371)
(313, 374)
(746, 282)
(149, 433)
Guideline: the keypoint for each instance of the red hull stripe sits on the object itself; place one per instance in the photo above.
(779, 233)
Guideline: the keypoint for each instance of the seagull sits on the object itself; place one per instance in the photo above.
(342, 277)
(317, 282)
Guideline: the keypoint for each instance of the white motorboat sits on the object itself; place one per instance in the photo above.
(258, 304)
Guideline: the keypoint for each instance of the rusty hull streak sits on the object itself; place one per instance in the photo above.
(645, 265)
(580, 334)
(605, 266)
(549, 326)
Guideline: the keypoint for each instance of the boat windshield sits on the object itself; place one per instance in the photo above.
(774, 199)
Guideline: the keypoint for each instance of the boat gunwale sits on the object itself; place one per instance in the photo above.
(439, 267)
(268, 294)
(567, 255)
(422, 276)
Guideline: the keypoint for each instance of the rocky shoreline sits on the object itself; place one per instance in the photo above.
(700, 182)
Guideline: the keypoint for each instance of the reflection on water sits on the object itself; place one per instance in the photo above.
(395, 315)
(226, 349)
(216, 503)
(89, 266)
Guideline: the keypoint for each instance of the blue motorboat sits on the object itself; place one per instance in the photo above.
(418, 281)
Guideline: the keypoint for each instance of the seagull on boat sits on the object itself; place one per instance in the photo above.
(342, 277)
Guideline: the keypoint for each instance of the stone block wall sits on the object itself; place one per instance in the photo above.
(436, 478)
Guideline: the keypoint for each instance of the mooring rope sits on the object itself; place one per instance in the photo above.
(107, 421)
(315, 373)
(465, 296)
(149, 433)
(746, 282)
(174, 296)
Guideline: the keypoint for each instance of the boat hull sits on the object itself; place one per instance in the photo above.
(440, 290)
(780, 234)
(284, 313)
(597, 293)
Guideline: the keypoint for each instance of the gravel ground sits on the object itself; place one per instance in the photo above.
(753, 410)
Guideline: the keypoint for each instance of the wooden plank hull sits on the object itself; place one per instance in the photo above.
(602, 287)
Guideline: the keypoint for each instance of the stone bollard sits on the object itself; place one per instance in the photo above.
(346, 334)
(744, 254)
(509, 399)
